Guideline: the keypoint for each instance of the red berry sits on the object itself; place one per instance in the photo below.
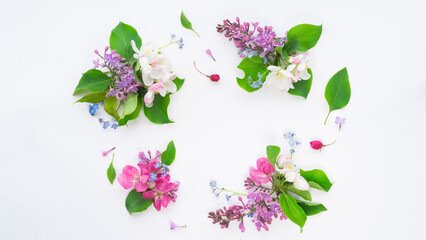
(214, 77)
(317, 145)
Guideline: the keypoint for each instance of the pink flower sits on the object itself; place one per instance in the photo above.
(160, 194)
(132, 177)
(263, 171)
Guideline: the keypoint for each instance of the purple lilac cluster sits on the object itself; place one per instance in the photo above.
(122, 73)
(258, 40)
(260, 207)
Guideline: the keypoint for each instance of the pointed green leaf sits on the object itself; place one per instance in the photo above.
(302, 87)
(293, 211)
(158, 112)
(120, 40)
(136, 203)
(254, 69)
(186, 23)
(307, 35)
(303, 194)
(111, 171)
(179, 82)
(95, 97)
(131, 109)
(94, 81)
(317, 179)
(338, 91)
(110, 106)
(168, 156)
(311, 208)
(272, 153)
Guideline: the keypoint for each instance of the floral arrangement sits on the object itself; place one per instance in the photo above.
(149, 181)
(129, 76)
(276, 190)
(282, 61)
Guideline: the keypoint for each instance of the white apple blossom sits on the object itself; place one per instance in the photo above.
(299, 66)
(280, 78)
(164, 85)
(286, 167)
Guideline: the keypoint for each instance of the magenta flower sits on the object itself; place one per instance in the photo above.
(262, 173)
(160, 194)
(132, 177)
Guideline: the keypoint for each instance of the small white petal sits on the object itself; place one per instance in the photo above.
(170, 86)
(301, 183)
(291, 176)
(305, 75)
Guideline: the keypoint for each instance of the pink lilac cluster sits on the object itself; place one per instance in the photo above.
(151, 178)
(122, 73)
(251, 41)
(260, 207)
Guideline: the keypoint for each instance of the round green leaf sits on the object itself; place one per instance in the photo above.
(317, 179)
(272, 153)
(131, 109)
(120, 39)
(254, 68)
(93, 80)
(307, 35)
(136, 203)
(158, 112)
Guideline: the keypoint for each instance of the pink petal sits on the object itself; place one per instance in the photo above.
(149, 194)
(157, 204)
(141, 186)
(165, 200)
(130, 170)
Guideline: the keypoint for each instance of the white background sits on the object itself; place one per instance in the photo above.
(53, 176)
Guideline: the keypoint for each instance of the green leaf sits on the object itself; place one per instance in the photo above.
(120, 39)
(158, 112)
(293, 211)
(186, 23)
(311, 208)
(338, 91)
(302, 87)
(303, 194)
(95, 97)
(317, 179)
(179, 82)
(290, 47)
(110, 106)
(136, 203)
(254, 68)
(307, 35)
(272, 153)
(131, 109)
(111, 171)
(168, 156)
(94, 81)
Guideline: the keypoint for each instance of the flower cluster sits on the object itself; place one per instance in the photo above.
(285, 59)
(156, 72)
(128, 74)
(255, 40)
(291, 141)
(272, 187)
(151, 178)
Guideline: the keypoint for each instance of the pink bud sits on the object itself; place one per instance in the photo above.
(96, 51)
(215, 77)
(106, 48)
(317, 145)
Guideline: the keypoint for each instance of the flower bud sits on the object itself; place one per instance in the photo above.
(214, 77)
(96, 51)
(317, 145)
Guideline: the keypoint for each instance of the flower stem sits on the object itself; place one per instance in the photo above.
(325, 122)
(199, 70)
(330, 143)
(196, 33)
(223, 189)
